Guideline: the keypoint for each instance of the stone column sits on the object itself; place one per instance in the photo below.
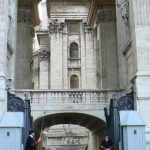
(107, 44)
(23, 76)
(56, 57)
(140, 29)
(44, 68)
(3, 53)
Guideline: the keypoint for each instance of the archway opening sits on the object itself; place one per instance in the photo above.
(95, 126)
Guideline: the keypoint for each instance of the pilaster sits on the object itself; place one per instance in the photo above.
(44, 68)
(56, 58)
(90, 58)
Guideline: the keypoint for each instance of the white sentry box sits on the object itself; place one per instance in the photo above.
(11, 126)
(132, 131)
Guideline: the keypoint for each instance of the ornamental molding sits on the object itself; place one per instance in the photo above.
(43, 54)
(126, 102)
(56, 26)
(86, 28)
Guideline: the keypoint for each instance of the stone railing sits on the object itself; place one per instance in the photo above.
(68, 96)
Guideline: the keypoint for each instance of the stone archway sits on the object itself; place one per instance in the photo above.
(95, 125)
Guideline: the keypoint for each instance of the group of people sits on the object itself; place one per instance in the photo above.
(106, 143)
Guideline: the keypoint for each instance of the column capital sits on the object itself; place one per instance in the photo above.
(56, 25)
(35, 71)
(86, 27)
(43, 54)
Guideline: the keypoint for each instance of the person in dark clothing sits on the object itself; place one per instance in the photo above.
(31, 143)
(106, 144)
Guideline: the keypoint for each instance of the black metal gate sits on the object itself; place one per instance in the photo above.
(112, 118)
(16, 104)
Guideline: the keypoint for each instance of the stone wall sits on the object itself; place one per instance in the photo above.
(66, 137)
(7, 48)
(140, 25)
(133, 29)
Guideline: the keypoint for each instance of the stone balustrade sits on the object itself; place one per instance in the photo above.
(68, 96)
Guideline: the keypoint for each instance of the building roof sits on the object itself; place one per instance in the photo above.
(131, 118)
(12, 119)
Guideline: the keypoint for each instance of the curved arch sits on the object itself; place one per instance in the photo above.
(94, 124)
(74, 50)
(74, 82)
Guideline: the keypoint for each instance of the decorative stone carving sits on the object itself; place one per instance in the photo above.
(125, 10)
(126, 102)
(15, 104)
(56, 26)
(43, 54)
(86, 27)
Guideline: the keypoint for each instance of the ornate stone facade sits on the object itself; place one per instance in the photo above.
(56, 26)
(111, 49)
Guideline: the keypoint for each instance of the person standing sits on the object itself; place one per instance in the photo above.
(31, 143)
(106, 144)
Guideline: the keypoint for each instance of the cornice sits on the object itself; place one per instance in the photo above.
(93, 10)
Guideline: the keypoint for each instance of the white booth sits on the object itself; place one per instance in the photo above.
(11, 126)
(132, 131)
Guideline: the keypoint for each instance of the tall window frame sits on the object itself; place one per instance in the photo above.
(74, 50)
(74, 82)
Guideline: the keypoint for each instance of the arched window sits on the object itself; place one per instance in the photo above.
(73, 50)
(74, 82)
